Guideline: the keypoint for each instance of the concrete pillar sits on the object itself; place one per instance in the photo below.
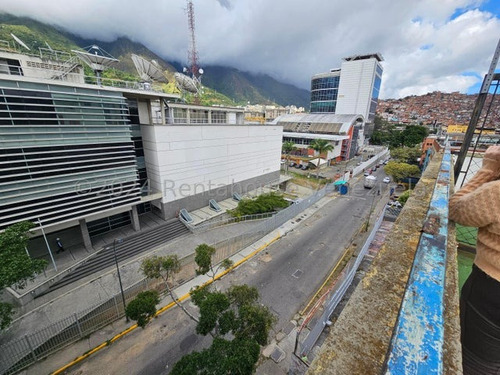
(85, 235)
(162, 108)
(134, 216)
(210, 121)
(150, 112)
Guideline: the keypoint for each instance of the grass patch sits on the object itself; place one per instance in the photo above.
(310, 182)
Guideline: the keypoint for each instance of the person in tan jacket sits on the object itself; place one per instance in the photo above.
(477, 204)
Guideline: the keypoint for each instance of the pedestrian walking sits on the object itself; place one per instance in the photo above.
(59, 245)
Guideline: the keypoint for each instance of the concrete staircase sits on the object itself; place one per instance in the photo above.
(130, 247)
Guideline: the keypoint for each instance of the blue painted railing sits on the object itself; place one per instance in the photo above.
(417, 344)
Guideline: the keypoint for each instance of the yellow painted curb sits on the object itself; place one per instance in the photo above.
(161, 310)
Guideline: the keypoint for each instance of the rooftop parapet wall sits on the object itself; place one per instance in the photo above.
(360, 340)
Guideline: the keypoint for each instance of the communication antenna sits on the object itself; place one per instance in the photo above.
(20, 42)
(97, 58)
(185, 83)
(148, 70)
(192, 53)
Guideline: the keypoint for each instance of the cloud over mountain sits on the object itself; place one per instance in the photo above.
(427, 45)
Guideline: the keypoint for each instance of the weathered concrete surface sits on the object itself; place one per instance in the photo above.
(359, 341)
(452, 350)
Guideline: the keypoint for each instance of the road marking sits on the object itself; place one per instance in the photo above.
(297, 273)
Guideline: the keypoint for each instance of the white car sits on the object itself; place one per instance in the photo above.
(386, 180)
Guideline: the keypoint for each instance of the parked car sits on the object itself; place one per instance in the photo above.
(366, 173)
(386, 180)
(304, 167)
(292, 164)
(298, 166)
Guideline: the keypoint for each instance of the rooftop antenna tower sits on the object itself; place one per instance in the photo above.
(192, 53)
(194, 68)
(97, 58)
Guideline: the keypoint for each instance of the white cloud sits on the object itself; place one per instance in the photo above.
(424, 48)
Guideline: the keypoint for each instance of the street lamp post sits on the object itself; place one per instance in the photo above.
(115, 241)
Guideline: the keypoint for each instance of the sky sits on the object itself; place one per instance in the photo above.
(427, 45)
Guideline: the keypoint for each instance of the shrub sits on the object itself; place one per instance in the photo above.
(262, 204)
(404, 197)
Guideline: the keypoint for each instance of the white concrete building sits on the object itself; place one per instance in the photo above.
(191, 164)
(82, 156)
(359, 86)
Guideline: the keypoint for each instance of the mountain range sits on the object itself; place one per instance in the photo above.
(227, 85)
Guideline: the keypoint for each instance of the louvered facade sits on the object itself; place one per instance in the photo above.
(66, 152)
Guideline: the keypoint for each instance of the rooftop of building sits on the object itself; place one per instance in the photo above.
(326, 123)
(376, 55)
(331, 73)
(204, 107)
(64, 69)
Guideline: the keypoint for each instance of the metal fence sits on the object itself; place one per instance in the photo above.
(331, 299)
(200, 228)
(21, 353)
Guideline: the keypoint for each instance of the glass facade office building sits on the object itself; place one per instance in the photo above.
(324, 92)
(65, 152)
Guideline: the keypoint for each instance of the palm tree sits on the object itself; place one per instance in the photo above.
(320, 146)
(287, 148)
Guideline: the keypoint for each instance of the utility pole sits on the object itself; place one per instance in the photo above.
(115, 241)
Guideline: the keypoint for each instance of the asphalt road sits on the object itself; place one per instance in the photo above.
(287, 274)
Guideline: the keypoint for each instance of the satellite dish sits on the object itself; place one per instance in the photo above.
(185, 83)
(148, 70)
(97, 59)
(20, 42)
(201, 71)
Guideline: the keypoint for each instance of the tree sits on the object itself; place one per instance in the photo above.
(16, 266)
(236, 315)
(414, 135)
(143, 307)
(222, 357)
(203, 259)
(399, 171)
(6, 312)
(406, 154)
(287, 148)
(165, 267)
(235, 311)
(320, 146)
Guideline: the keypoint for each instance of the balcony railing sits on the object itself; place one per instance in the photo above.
(403, 316)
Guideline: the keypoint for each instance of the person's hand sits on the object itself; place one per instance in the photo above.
(491, 160)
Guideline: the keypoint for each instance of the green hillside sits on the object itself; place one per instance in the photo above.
(254, 88)
(222, 85)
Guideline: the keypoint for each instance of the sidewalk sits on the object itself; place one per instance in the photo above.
(97, 288)
(113, 331)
